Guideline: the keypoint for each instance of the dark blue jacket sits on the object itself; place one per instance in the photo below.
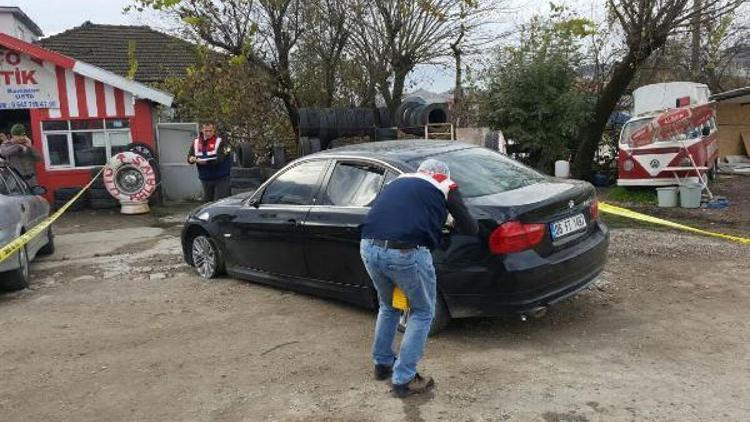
(218, 168)
(413, 210)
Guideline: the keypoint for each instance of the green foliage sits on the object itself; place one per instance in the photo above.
(237, 97)
(637, 195)
(132, 60)
(531, 93)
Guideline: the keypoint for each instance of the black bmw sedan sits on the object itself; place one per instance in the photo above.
(540, 238)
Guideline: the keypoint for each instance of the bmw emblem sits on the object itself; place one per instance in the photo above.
(571, 204)
(654, 164)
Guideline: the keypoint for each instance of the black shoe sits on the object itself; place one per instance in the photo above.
(383, 372)
(417, 385)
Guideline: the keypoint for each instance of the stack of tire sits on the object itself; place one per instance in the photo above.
(246, 175)
(64, 195)
(99, 197)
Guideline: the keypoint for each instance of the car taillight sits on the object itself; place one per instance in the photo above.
(514, 236)
(594, 209)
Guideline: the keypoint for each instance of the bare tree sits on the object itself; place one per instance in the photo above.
(263, 32)
(713, 53)
(398, 35)
(646, 26)
(329, 29)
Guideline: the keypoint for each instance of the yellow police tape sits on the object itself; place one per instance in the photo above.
(623, 212)
(16, 245)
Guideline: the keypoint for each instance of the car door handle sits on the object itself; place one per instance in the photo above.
(291, 222)
(23, 208)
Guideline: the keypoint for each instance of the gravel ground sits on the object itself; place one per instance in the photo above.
(133, 334)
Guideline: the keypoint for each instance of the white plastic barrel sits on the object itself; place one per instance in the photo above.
(667, 197)
(690, 195)
(562, 169)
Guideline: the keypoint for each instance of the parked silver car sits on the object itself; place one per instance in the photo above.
(21, 208)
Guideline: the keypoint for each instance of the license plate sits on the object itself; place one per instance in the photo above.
(567, 226)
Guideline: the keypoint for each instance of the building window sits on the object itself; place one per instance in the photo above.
(83, 143)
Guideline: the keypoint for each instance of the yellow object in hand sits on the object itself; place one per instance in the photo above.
(400, 301)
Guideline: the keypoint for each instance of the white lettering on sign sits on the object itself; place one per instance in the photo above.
(25, 83)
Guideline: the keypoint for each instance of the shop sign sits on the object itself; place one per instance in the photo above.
(25, 83)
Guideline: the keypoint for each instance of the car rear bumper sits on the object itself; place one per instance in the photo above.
(525, 281)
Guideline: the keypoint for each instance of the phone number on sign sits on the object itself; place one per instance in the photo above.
(29, 104)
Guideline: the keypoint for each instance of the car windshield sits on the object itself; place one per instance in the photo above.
(630, 128)
(481, 172)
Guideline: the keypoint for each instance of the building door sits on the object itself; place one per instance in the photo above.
(179, 180)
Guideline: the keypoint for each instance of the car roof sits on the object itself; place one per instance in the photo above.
(395, 152)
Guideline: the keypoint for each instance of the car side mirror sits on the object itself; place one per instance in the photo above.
(706, 131)
(39, 190)
(255, 203)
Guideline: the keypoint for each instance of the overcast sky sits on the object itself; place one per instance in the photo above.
(55, 16)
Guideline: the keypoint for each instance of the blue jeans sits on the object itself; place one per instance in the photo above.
(411, 270)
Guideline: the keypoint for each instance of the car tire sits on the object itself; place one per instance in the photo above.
(49, 248)
(206, 257)
(78, 205)
(143, 150)
(66, 194)
(245, 183)
(246, 155)
(103, 204)
(99, 193)
(439, 322)
(99, 182)
(245, 173)
(18, 279)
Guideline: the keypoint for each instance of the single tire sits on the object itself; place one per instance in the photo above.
(143, 150)
(49, 248)
(386, 134)
(246, 156)
(314, 145)
(337, 143)
(103, 204)
(245, 183)
(278, 156)
(78, 205)
(266, 173)
(206, 257)
(66, 194)
(99, 182)
(99, 193)
(18, 279)
(305, 147)
(245, 173)
(130, 177)
(439, 322)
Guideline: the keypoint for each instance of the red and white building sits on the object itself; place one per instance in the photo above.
(78, 115)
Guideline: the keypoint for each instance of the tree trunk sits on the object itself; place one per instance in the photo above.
(695, 58)
(591, 133)
(458, 90)
(393, 100)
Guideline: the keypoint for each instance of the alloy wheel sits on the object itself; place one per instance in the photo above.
(204, 257)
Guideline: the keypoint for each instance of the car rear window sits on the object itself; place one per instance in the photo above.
(481, 172)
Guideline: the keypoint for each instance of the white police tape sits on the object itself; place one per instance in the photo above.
(11, 248)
